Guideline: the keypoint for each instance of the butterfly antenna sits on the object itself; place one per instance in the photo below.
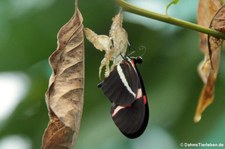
(142, 48)
(130, 48)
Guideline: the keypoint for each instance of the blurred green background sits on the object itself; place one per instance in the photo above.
(28, 37)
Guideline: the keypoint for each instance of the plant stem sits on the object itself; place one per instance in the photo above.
(165, 18)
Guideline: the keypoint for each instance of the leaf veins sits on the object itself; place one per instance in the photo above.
(64, 96)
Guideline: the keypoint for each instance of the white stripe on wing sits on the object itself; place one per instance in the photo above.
(124, 80)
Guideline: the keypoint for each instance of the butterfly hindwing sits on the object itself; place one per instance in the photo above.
(132, 120)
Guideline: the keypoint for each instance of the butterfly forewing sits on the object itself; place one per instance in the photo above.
(121, 85)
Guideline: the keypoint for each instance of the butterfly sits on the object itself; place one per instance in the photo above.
(125, 89)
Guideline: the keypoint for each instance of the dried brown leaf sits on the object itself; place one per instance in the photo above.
(206, 97)
(217, 23)
(206, 11)
(114, 45)
(64, 96)
(209, 67)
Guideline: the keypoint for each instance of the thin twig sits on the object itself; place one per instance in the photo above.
(171, 20)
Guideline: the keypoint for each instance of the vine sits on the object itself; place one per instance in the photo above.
(171, 20)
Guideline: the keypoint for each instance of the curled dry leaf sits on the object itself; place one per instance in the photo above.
(207, 96)
(64, 96)
(206, 11)
(114, 45)
(211, 48)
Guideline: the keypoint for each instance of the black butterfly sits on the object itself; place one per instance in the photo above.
(125, 89)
